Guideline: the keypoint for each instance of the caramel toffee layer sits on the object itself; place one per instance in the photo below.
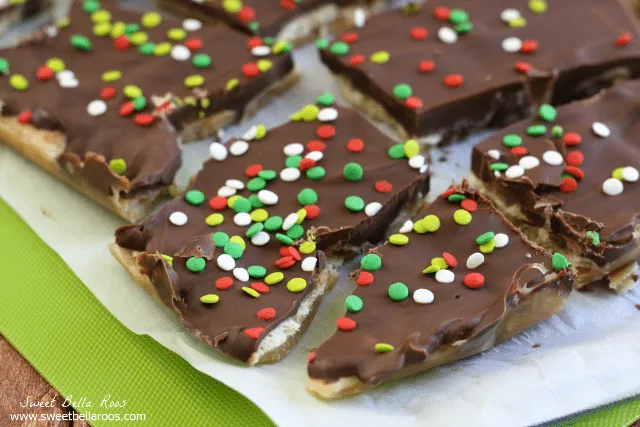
(447, 70)
(574, 173)
(443, 286)
(327, 178)
(107, 77)
(265, 18)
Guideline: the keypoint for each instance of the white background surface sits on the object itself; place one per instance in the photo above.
(589, 355)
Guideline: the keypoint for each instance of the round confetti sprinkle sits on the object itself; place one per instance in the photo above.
(419, 33)
(575, 172)
(307, 197)
(266, 313)
(226, 262)
(327, 114)
(511, 44)
(417, 162)
(601, 129)
(624, 39)
(474, 280)
(224, 283)
(547, 113)
(261, 239)
(371, 262)
(553, 158)
(398, 291)
(514, 172)
(238, 148)
(447, 35)
(18, 82)
(450, 260)
(445, 276)
(296, 285)
(380, 57)
(268, 197)
(242, 275)
(426, 66)
(339, 48)
(568, 185)
(293, 149)
(178, 218)
(353, 172)
(307, 247)
(559, 261)
(96, 108)
(423, 296)
(469, 205)
(398, 239)
(612, 187)
(512, 140)
(485, 237)
(273, 223)
(345, 324)
(354, 203)
(501, 240)
(364, 278)
(537, 130)
(353, 303)
(241, 219)
(396, 151)
(326, 99)
(309, 264)
(326, 132)
(196, 264)
(218, 151)
(119, 166)
(475, 260)
(372, 209)
(220, 239)
(201, 60)
(209, 299)
(529, 162)
(80, 42)
(402, 91)
(295, 232)
(180, 53)
(315, 173)
(508, 15)
(234, 250)
(574, 158)
(529, 46)
(253, 332)
(630, 174)
(462, 217)
(571, 139)
(383, 347)
(453, 80)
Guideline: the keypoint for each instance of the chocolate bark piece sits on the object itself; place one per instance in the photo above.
(292, 20)
(461, 281)
(441, 72)
(560, 179)
(328, 181)
(95, 102)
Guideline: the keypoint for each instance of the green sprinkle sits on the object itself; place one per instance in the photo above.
(402, 91)
(326, 99)
(4, 65)
(139, 103)
(257, 271)
(559, 261)
(255, 201)
(194, 197)
(353, 172)
(354, 203)
(594, 236)
(322, 43)
(371, 262)
(196, 264)
(397, 151)
(498, 166)
(456, 198)
(132, 28)
(256, 184)
(267, 174)
(464, 27)
(340, 48)
(293, 161)
(557, 131)
(383, 347)
(119, 166)
(254, 229)
(80, 42)
(485, 237)
(307, 197)
(147, 48)
(220, 239)
(242, 205)
(458, 16)
(547, 113)
(273, 223)
(254, 26)
(512, 140)
(295, 232)
(201, 60)
(398, 291)
(209, 298)
(316, 173)
(234, 250)
(284, 239)
(90, 6)
(536, 130)
(353, 303)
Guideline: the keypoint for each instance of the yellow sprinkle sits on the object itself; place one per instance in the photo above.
(431, 223)
(296, 285)
(264, 65)
(261, 132)
(205, 103)
(151, 19)
(167, 258)
(111, 76)
(18, 82)
(439, 262)
(384, 348)
(231, 84)
(239, 240)
(488, 247)
(617, 174)
(251, 291)
(279, 46)
(16, 2)
(117, 29)
(309, 113)
(273, 278)
(232, 6)
(209, 298)
(259, 215)
(518, 22)
(138, 38)
(102, 29)
(538, 6)
(214, 219)
(380, 57)
(431, 269)
(411, 148)
(56, 64)
(64, 23)
(462, 217)
(232, 200)
(132, 91)
(302, 214)
(296, 117)
(162, 49)
(398, 239)
(194, 80)
(100, 16)
(176, 34)
(308, 247)
(190, 100)
(420, 227)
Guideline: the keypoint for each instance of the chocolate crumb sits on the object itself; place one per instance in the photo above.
(442, 159)
(536, 345)
(638, 306)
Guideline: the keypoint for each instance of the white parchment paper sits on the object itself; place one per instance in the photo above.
(589, 355)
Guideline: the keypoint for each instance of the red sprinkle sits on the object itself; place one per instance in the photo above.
(144, 119)
(575, 158)
(285, 262)
(469, 205)
(253, 170)
(383, 186)
(529, 46)
(346, 324)
(624, 39)
(315, 145)
(312, 211)
(254, 42)
(572, 138)
(449, 192)
(311, 357)
(246, 14)
(326, 131)
(287, 4)
(419, 33)
(121, 43)
(193, 43)
(350, 37)
(253, 332)
(523, 67)
(355, 60)
(290, 251)
(450, 259)
(306, 164)
(474, 280)
(218, 203)
(107, 92)
(441, 13)
(260, 287)
(224, 283)
(520, 151)
(44, 73)
(413, 103)
(266, 313)
(364, 278)
(575, 172)
(250, 70)
(355, 145)
(25, 117)
(453, 80)
(426, 66)
(569, 185)
(126, 109)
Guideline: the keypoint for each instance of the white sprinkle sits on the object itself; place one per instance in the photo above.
(51, 31)
(180, 53)
(226, 262)
(511, 44)
(445, 276)
(424, 168)
(528, 256)
(447, 35)
(497, 174)
(475, 260)
(97, 107)
(612, 187)
(218, 151)
(630, 174)
(242, 219)
(309, 263)
(327, 114)
(406, 227)
(601, 129)
(359, 18)
(191, 24)
(509, 14)
(417, 162)
(372, 208)
(494, 154)
(315, 155)
(69, 83)
(529, 162)
(241, 274)
(515, 171)
(225, 191)
(261, 51)
(178, 218)
(289, 174)
(234, 183)
(65, 75)
(268, 197)
(289, 221)
(251, 133)
(501, 240)
(423, 296)
(552, 158)
(261, 239)
(239, 147)
(293, 149)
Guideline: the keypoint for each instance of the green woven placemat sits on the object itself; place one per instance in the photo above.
(83, 351)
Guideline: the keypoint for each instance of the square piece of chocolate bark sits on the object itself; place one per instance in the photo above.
(444, 69)
(246, 256)
(569, 179)
(96, 100)
(459, 281)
